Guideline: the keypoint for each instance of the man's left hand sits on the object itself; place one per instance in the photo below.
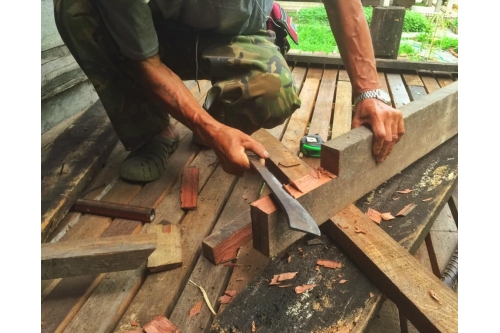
(385, 122)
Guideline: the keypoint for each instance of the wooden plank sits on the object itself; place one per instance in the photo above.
(93, 256)
(397, 90)
(153, 298)
(71, 161)
(430, 82)
(335, 59)
(331, 306)
(298, 74)
(396, 273)
(443, 78)
(343, 75)
(416, 88)
(342, 114)
(412, 80)
(320, 121)
(349, 157)
(299, 120)
(189, 188)
(168, 253)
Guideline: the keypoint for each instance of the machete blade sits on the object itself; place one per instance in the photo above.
(298, 218)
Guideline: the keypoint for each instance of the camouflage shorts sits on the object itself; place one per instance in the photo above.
(252, 86)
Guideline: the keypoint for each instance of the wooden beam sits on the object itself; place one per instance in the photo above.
(168, 253)
(426, 301)
(380, 63)
(429, 121)
(92, 256)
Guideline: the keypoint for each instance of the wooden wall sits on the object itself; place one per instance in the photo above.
(65, 89)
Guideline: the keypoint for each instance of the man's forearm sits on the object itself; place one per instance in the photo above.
(171, 93)
(351, 31)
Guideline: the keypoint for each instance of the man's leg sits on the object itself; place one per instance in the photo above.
(253, 87)
(141, 125)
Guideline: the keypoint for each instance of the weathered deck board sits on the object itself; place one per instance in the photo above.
(146, 295)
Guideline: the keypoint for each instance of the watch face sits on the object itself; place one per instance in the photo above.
(384, 96)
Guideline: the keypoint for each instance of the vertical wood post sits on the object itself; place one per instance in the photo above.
(386, 30)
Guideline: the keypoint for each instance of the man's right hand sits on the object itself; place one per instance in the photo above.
(230, 144)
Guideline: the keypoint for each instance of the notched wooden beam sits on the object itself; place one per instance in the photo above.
(429, 122)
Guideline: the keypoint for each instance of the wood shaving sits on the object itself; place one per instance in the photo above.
(317, 268)
(406, 210)
(231, 293)
(286, 276)
(289, 258)
(304, 287)
(371, 295)
(274, 280)
(387, 216)
(134, 323)
(358, 230)
(342, 226)
(434, 296)
(239, 279)
(329, 263)
(253, 327)
(159, 324)
(225, 299)
(374, 215)
(195, 309)
(395, 199)
(286, 285)
(342, 281)
(340, 275)
(428, 199)
(245, 198)
(404, 191)
(205, 296)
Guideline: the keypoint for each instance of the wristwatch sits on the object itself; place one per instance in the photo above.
(377, 93)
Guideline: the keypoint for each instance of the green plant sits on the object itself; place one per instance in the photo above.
(406, 50)
(368, 14)
(448, 42)
(416, 22)
(315, 38)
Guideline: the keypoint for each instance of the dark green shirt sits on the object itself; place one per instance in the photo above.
(130, 22)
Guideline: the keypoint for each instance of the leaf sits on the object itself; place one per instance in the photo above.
(406, 210)
(404, 191)
(343, 281)
(329, 263)
(374, 215)
(304, 287)
(387, 216)
(195, 309)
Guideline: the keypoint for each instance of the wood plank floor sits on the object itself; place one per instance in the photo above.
(113, 302)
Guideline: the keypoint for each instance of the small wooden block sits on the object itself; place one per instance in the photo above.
(168, 253)
(189, 188)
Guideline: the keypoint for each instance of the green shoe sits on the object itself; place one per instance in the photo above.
(148, 162)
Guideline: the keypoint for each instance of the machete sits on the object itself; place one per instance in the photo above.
(298, 218)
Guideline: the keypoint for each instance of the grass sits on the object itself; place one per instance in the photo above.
(315, 34)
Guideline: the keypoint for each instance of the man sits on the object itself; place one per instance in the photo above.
(136, 53)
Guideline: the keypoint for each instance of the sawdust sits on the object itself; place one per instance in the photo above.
(432, 178)
(317, 306)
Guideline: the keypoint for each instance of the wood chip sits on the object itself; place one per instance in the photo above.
(315, 241)
(395, 199)
(434, 296)
(274, 280)
(317, 268)
(406, 210)
(371, 295)
(231, 293)
(239, 279)
(358, 230)
(329, 263)
(428, 199)
(374, 215)
(134, 323)
(195, 309)
(404, 191)
(286, 276)
(286, 285)
(253, 327)
(225, 299)
(304, 287)
(387, 216)
(342, 281)
(159, 324)
(343, 226)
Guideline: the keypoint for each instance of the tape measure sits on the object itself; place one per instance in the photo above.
(310, 145)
